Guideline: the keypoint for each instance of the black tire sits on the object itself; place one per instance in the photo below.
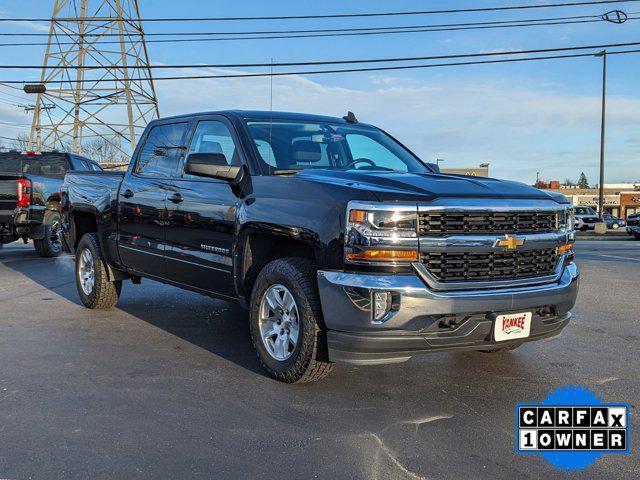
(584, 228)
(502, 349)
(104, 294)
(51, 244)
(636, 236)
(309, 359)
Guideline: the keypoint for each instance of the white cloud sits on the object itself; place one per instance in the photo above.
(518, 130)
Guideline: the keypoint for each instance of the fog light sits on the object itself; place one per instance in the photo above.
(381, 305)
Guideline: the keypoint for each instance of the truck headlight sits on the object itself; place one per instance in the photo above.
(567, 221)
(381, 236)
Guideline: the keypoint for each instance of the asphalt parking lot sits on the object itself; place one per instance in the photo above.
(167, 386)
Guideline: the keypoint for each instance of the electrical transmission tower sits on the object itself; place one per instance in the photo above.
(113, 102)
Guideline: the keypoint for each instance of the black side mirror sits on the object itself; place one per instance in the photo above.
(212, 165)
(434, 167)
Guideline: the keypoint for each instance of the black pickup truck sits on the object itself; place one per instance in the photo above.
(30, 195)
(345, 246)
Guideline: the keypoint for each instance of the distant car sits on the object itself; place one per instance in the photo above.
(633, 225)
(585, 218)
(613, 222)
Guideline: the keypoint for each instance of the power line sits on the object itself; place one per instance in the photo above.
(366, 69)
(331, 62)
(371, 31)
(339, 15)
(320, 30)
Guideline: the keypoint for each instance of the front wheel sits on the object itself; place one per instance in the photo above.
(615, 226)
(285, 322)
(92, 280)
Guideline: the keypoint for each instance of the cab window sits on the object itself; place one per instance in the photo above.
(162, 150)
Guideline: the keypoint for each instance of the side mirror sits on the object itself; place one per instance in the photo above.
(434, 167)
(212, 165)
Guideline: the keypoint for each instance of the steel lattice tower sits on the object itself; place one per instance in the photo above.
(107, 34)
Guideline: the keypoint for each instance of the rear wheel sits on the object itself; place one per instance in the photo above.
(285, 322)
(51, 244)
(92, 280)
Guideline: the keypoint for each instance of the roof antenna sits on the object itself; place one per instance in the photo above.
(270, 115)
(350, 118)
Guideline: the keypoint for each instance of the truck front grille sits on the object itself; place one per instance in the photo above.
(443, 223)
(461, 267)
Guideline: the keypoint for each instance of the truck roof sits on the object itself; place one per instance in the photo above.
(266, 115)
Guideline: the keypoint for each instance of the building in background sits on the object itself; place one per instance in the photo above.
(620, 199)
(480, 171)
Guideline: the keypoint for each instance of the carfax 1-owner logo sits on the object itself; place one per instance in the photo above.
(572, 427)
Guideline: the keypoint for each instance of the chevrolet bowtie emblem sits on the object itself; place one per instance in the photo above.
(509, 242)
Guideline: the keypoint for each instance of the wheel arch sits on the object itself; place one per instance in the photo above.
(256, 246)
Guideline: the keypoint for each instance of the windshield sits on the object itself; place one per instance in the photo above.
(585, 211)
(301, 145)
(48, 165)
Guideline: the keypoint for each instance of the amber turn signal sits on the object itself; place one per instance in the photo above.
(565, 248)
(357, 216)
(384, 255)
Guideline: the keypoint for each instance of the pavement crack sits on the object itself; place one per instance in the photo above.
(392, 457)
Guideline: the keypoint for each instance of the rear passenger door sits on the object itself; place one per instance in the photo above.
(202, 214)
(142, 212)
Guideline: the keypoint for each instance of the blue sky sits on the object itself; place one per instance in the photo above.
(521, 117)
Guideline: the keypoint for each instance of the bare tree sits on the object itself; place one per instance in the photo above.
(21, 142)
(104, 150)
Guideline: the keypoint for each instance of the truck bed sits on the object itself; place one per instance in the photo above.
(92, 190)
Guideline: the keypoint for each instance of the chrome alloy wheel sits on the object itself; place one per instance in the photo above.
(86, 271)
(56, 239)
(279, 322)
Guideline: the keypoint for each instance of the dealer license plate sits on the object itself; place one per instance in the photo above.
(512, 326)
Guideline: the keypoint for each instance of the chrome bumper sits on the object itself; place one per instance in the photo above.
(355, 338)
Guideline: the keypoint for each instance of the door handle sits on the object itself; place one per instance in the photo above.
(176, 198)
(127, 193)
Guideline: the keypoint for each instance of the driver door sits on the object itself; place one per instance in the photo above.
(202, 213)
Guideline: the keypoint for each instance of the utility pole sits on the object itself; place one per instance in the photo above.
(113, 102)
(602, 227)
(537, 179)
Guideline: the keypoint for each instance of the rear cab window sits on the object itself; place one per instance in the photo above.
(48, 164)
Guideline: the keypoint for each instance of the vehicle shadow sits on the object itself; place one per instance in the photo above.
(221, 328)
(214, 325)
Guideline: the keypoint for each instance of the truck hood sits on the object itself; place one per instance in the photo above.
(427, 186)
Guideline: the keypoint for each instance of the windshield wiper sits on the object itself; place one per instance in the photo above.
(286, 172)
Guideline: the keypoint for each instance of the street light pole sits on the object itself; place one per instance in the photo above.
(602, 54)
(438, 160)
(537, 179)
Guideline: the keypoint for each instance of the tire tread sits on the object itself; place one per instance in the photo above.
(315, 364)
(105, 293)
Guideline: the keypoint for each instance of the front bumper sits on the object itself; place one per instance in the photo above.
(423, 319)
